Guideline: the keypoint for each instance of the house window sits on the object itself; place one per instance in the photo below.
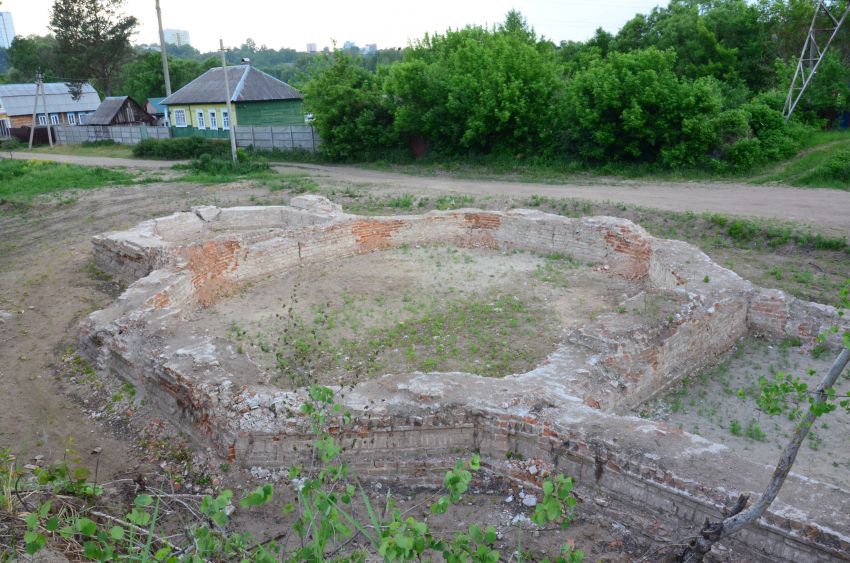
(72, 119)
(42, 120)
(54, 119)
(180, 118)
(213, 120)
(200, 119)
(225, 119)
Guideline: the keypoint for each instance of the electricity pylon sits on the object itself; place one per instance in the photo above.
(824, 28)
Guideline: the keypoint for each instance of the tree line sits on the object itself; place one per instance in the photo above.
(699, 83)
(696, 83)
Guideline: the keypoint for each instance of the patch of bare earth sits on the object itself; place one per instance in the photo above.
(410, 309)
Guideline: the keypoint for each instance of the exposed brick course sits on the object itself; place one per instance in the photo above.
(562, 415)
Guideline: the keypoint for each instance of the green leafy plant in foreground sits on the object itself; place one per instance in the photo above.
(321, 515)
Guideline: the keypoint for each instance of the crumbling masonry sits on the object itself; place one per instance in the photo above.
(566, 415)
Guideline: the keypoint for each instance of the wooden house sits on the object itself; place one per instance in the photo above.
(200, 108)
(120, 110)
(17, 102)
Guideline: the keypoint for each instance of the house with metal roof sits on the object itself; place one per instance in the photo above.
(120, 110)
(199, 108)
(17, 102)
(155, 108)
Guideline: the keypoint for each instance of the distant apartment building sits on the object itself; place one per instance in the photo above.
(370, 49)
(312, 48)
(349, 45)
(176, 36)
(7, 30)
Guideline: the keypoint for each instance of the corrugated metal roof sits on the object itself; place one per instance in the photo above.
(247, 84)
(17, 99)
(156, 104)
(106, 111)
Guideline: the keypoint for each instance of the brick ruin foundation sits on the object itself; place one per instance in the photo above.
(566, 415)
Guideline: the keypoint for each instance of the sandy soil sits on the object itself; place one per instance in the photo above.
(720, 404)
(826, 209)
(47, 285)
(363, 315)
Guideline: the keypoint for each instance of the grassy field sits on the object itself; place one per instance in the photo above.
(111, 151)
(823, 163)
(23, 180)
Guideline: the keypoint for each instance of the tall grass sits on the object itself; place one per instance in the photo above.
(22, 180)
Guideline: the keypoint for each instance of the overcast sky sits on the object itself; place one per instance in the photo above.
(387, 23)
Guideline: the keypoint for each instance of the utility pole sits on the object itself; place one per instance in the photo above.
(229, 105)
(46, 115)
(35, 105)
(162, 52)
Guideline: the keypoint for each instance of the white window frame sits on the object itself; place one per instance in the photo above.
(213, 119)
(72, 119)
(225, 120)
(180, 118)
(82, 117)
(42, 119)
(200, 120)
(54, 119)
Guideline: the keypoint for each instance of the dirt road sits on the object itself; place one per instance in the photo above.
(47, 285)
(828, 210)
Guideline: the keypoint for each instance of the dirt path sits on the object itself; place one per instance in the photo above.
(828, 210)
(95, 160)
(47, 285)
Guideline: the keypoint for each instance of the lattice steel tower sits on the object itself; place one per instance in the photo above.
(824, 28)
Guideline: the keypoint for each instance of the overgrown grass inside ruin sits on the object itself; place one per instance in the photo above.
(411, 309)
(719, 403)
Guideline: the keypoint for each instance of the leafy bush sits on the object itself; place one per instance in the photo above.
(632, 107)
(349, 109)
(180, 148)
(479, 90)
(10, 144)
(245, 165)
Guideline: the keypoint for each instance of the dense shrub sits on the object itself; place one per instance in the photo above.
(632, 107)
(181, 148)
(479, 90)
(245, 164)
(349, 109)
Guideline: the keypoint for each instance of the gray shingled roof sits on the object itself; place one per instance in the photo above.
(106, 111)
(17, 99)
(247, 84)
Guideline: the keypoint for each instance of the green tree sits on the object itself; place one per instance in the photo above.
(92, 40)
(479, 90)
(633, 107)
(30, 54)
(143, 79)
(349, 108)
(682, 28)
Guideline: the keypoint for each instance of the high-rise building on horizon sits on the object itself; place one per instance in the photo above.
(177, 37)
(311, 48)
(7, 30)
